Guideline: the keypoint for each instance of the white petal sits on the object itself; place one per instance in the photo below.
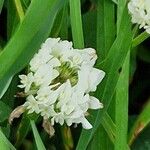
(95, 78)
(54, 62)
(85, 123)
(50, 43)
(94, 103)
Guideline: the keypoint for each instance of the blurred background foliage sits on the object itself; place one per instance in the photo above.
(20, 134)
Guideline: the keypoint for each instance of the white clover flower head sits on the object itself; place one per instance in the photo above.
(140, 13)
(59, 81)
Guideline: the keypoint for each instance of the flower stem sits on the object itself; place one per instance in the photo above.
(139, 39)
(67, 137)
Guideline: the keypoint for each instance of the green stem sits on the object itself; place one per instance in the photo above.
(67, 137)
(138, 40)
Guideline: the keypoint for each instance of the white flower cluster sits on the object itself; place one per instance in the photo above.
(59, 81)
(140, 12)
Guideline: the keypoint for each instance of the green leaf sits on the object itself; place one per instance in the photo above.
(143, 141)
(76, 23)
(122, 107)
(39, 143)
(121, 113)
(112, 64)
(98, 143)
(9, 96)
(142, 121)
(24, 128)
(105, 27)
(89, 28)
(13, 19)
(106, 32)
(140, 38)
(109, 126)
(58, 24)
(65, 23)
(1, 4)
(120, 8)
(33, 30)
(105, 130)
(5, 87)
(4, 111)
(4, 142)
(115, 1)
(19, 9)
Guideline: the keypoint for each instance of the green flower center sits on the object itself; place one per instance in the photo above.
(67, 72)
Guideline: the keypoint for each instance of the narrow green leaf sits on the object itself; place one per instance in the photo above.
(9, 96)
(120, 8)
(4, 111)
(99, 141)
(39, 143)
(4, 145)
(114, 61)
(4, 142)
(115, 1)
(1, 4)
(143, 141)
(65, 22)
(29, 36)
(105, 27)
(89, 28)
(142, 121)
(12, 18)
(121, 113)
(19, 9)
(106, 32)
(122, 107)
(5, 87)
(76, 23)
(58, 24)
(24, 128)
(109, 126)
(140, 38)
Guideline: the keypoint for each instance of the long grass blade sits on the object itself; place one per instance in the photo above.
(140, 38)
(142, 121)
(105, 27)
(19, 9)
(1, 4)
(120, 8)
(38, 140)
(114, 61)
(29, 36)
(4, 142)
(76, 23)
(106, 31)
(109, 126)
(122, 107)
